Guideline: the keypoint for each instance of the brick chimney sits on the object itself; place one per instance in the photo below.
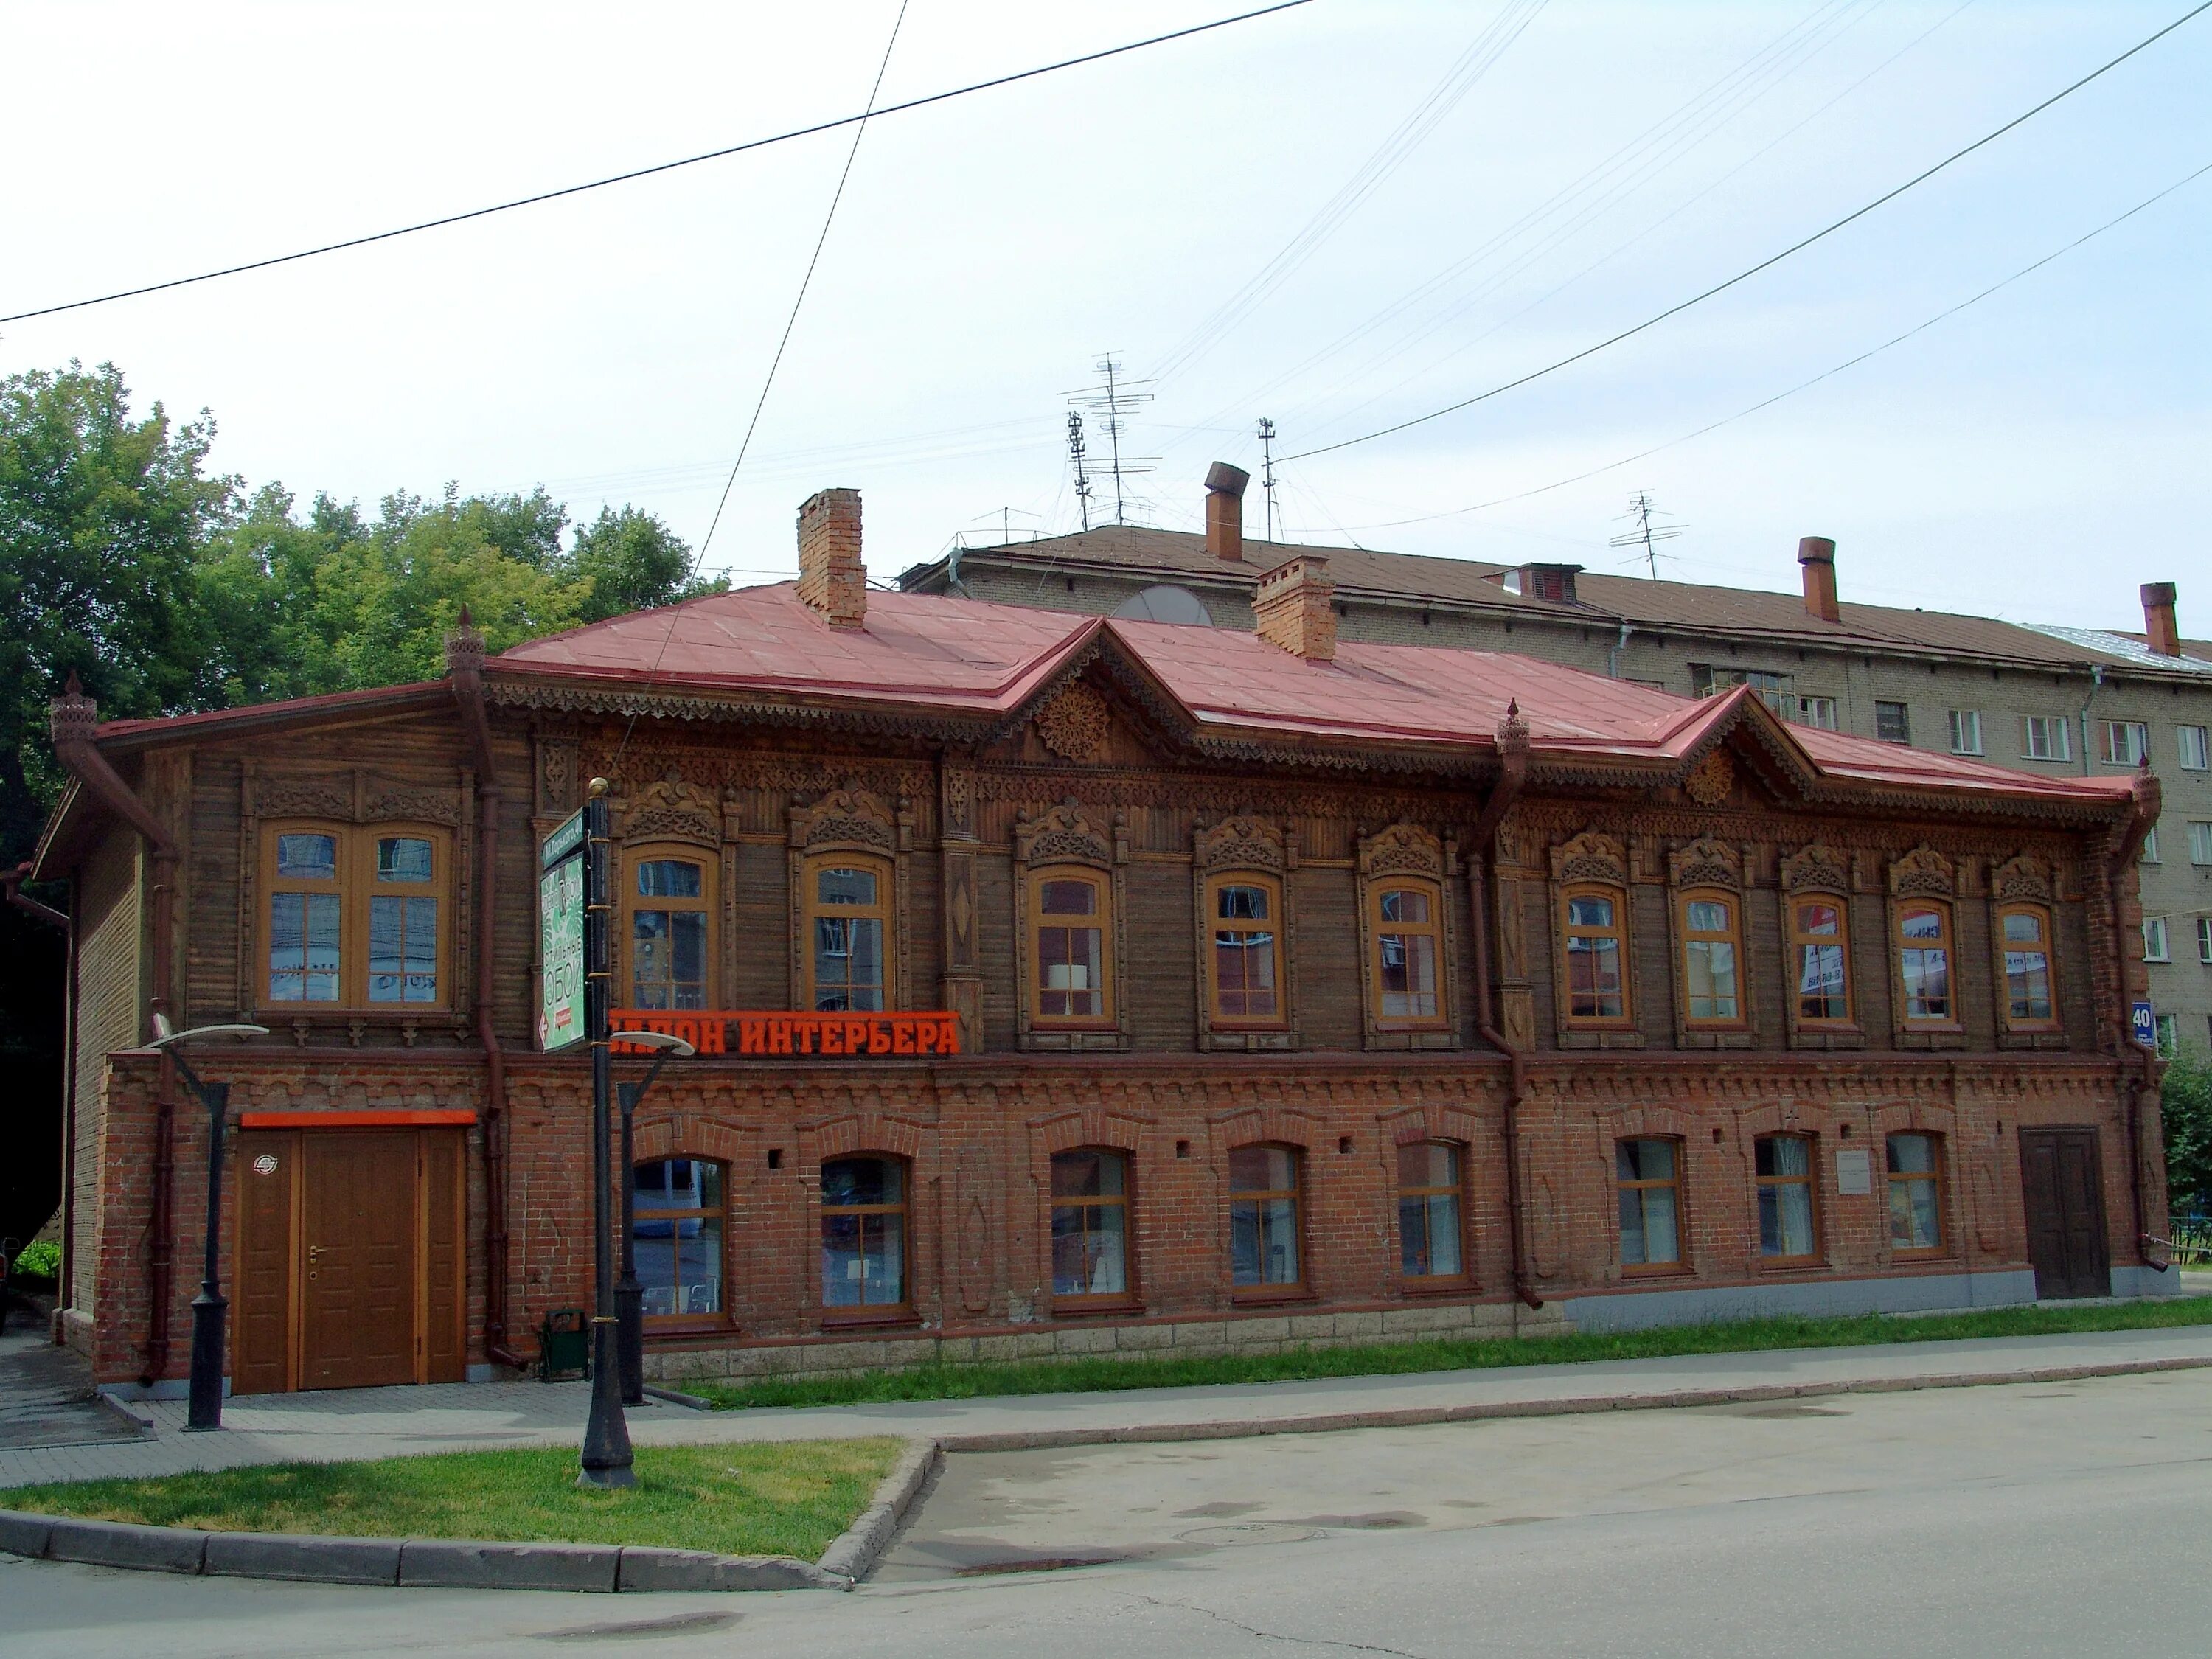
(1224, 511)
(1816, 558)
(1296, 604)
(831, 578)
(2161, 632)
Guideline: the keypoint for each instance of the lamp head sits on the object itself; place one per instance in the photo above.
(165, 1036)
(675, 1045)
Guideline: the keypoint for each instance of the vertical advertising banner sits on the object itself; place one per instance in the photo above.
(561, 938)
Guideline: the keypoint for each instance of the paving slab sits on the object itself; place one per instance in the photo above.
(46, 1395)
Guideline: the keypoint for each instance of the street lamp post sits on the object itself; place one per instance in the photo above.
(629, 1295)
(209, 1310)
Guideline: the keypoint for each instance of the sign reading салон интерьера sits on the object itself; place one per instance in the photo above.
(781, 1034)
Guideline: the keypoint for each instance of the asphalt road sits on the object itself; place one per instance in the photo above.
(2041, 1519)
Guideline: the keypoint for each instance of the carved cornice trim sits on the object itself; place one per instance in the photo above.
(1242, 843)
(1924, 872)
(2024, 876)
(1705, 862)
(1063, 835)
(1816, 868)
(1590, 856)
(1403, 849)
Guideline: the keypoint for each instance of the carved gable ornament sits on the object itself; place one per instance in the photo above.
(1590, 856)
(1403, 849)
(1923, 873)
(1816, 869)
(845, 817)
(670, 806)
(1705, 862)
(303, 798)
(354, 799)
(2023, 878)
(1709, 780)
(1073, 723)
(1240, 843)
(1062, 835)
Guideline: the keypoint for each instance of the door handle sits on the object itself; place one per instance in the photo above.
(315, 1251)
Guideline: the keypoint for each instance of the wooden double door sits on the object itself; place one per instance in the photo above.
(349, 1259)
(2062, 1193)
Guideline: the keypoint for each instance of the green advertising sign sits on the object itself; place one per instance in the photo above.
(561, 935)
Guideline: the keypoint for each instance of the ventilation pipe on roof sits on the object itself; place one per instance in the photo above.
(2161, 631)
(1224, 511)
(1295, 604)
(832, 580)
(1816, 559)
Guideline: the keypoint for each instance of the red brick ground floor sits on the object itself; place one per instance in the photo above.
(804, 1215)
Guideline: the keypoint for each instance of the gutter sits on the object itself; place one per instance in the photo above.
(1513, 756)
(464, 660)
(73, 718)
(13, 881)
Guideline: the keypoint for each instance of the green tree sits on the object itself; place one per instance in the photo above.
(630, 560)
(2184, 1103)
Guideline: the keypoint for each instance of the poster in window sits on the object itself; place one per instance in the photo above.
(561, 927)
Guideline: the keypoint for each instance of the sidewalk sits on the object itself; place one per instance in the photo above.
(459, 1417)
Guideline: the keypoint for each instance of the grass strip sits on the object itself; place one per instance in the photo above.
(1171, 1371)
(790, 1498)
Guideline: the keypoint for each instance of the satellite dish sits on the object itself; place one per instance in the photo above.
(1166, 603)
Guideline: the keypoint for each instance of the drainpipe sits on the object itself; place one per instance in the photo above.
(2142, 814)
(13, 880)
(73, 717)
(1513, 758)
(952, 574)
(2096, 684)
(1612, 656)
(465, 659)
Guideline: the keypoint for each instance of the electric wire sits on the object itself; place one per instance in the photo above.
(1766, 263)
(1802, 386)
(657, 167)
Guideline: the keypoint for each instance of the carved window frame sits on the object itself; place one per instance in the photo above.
(1064, 838)
(1244, 850)
(2025, 884)
(847, 826)
(1810, 875)
(1407, 856)
(1593, 862)
(706, 854)
(1708, 869)
(1924, 876)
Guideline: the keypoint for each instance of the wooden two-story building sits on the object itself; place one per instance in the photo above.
(1304, 991)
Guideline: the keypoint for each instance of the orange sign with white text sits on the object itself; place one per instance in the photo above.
(776, 1033)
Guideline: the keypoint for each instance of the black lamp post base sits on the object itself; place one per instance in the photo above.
(607, 1461)
(208, 1312)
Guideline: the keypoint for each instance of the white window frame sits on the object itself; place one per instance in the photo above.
(1817, 712)
(2200, 841)
(2204, 940)
(2195, 750)
(2138, 746)
(2047, 725)
(2156, 945)
(2149, 853)
(1965, 730)
(2168, 1036)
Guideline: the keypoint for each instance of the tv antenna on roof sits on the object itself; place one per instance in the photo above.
(1075, 446)
(1115, 397)
(1646, 534)
(1267, 470)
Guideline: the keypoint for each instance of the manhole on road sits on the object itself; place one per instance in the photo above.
(1249, 1532)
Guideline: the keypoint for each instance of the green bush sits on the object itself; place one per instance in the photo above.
(39, 1260)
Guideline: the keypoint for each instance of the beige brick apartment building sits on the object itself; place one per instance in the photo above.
(2049, 699)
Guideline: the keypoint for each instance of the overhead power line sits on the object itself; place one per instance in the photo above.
(1919, 328)
(1771, 260)
(661, 166)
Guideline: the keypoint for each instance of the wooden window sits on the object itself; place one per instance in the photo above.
(1592, 919)
(2045, 737)
(1263, 1217)
(863, 1211)
(1648, 1172)
(676, 1234)
(1819, 951)
(1432, 1243)
(1069, 932)
(1965, 730)
(1893, 722)
(2025, 933)
(1405, 920)
(1245, 963)
(1788, 1228)
(1916, 1205)
(2126, 743)
(354, 915)
(1090, 1223)
(1713, 950)
(1924, 962)
(669, 898)
(849, 910)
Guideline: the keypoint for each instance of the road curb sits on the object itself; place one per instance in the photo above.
(1565, 1405)
(443, 1562)
(854, 1553)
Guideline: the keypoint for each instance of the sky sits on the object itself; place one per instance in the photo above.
(1340, 217)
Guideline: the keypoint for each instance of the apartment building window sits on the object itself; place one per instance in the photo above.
(2154, 940)
(2149, 853)
(1783, 1167)
(2126, 743)
(1965, 730)
(1707, 681)
(2200, 843)
(2204, 939)
(1893, 722)
(1649, 1175)
(2196, 754)
(2168, 1037)
(1819, 711)
(2045, 737)
(1090, 1223)
(1916, 1203)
